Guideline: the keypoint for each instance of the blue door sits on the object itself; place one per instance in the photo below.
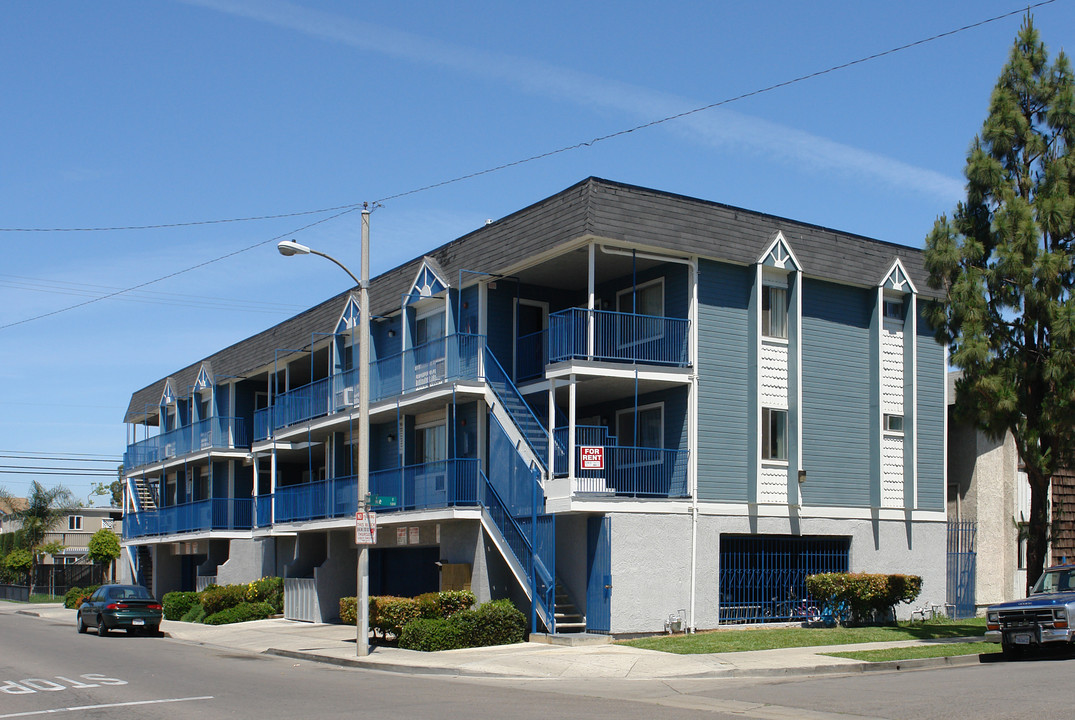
(599, 576)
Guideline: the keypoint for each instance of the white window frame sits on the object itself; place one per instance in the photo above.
(74, 522)
(886, 423)
(440, 481)
(766, 315)
(766, 434)
(634, 289)
(893, 302)
(624, 442)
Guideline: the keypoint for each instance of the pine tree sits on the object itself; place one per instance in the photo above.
(1005, 264)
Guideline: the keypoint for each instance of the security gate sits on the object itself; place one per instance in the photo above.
(599, 570)
(962, 567)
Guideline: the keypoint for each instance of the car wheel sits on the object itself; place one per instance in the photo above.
(102, 630)
(79, 623)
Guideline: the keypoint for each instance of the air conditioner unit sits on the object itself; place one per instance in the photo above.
(345, 397)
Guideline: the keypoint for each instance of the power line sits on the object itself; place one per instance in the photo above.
(577, 146)
(177, 272)
(54, 452)
(346, 209)
(55, 458)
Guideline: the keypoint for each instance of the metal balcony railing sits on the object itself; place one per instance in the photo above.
(213, 433)
(445, 483)
(199, 516)
(455, 357)
(630, 471)
(581, 334)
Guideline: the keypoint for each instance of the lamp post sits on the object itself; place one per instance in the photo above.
(288, 248)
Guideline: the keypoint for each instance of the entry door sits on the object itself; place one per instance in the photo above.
(599, 572)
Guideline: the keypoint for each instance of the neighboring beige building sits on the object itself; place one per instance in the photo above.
(73, 532)
(986, 486)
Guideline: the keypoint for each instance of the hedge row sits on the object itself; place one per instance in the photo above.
(220, 604)
(493, 623)
(389, 614)
(862, 597)
(74, 597)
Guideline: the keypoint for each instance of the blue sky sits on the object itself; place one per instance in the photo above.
(128, 113)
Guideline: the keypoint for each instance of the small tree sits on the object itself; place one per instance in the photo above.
(46, 507)
(19, 562)
(1005, 264)
(104, 547)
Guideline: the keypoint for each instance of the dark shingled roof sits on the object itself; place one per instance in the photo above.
(593, 207)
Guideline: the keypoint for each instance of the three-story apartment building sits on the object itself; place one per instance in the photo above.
(616, 404)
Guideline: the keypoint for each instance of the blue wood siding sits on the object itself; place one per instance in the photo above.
(676, 289)
(930, 426)
(723, 381)
(836, 394)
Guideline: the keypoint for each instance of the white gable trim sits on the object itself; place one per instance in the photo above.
(897, 279)
(779, 254)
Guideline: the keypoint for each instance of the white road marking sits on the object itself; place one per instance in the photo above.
(104, 705)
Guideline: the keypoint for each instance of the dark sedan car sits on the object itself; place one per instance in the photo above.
(115, 607)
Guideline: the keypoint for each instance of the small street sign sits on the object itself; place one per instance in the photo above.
(591, 457)
(383, 500)
(366, 527)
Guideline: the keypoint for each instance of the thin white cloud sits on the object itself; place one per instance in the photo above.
(719, 128)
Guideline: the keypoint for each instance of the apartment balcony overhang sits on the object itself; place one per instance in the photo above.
(181, 537)
(384, 519)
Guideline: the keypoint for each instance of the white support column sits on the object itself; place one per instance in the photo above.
(552, 427)
(272, 483)
(571, 428)
(590, 301)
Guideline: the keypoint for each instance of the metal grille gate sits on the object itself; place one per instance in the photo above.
(763, 579)
(962, 567)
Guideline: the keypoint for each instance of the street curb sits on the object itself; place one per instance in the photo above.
(387, 667)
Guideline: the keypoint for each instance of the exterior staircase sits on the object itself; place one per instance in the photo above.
(568, 617)
(146, 494)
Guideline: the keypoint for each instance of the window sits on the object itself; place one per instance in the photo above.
(774, 312)
(893, 423)
(774, 434)
(650, 427)
(431, 446)
(74, 522)
(645, 299)
(429, 327)
(894, 310)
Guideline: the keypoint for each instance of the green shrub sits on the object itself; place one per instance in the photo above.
(268, 590)
(74, 597)
(221, 597)
(195, 615)
(432, 635)
(389, 614)
(349, 610)
(866, 597)
(241, 613)
(494, 623)
(177, 604)
(428, 605)
(452, 601)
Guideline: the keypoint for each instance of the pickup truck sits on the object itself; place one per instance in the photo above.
(1041, 620)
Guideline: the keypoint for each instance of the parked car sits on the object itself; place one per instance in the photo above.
(1042, 619)
(113, 607)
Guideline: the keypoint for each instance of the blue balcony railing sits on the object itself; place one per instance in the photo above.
(633, 471)
(199, 516)
(454, 357)
(212, 433)
(446, 483)
(617, 337)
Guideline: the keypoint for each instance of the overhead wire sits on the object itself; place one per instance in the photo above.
(349, 208)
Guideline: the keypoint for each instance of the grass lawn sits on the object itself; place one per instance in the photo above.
(39, 598)
(921, 651)
(766, 638)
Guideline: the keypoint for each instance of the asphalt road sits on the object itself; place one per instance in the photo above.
(46, 668)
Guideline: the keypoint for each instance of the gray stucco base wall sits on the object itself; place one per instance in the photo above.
(651, 560)
(337, 577)
(248, 560)
(462, 542)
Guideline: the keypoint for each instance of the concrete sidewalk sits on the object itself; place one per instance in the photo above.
(335, 644)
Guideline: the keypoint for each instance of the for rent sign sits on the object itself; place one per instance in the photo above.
(591, 457)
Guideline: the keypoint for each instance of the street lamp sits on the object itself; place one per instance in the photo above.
(289, 248)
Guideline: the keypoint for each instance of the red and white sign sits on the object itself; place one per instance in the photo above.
(366, 528)
(591, 457)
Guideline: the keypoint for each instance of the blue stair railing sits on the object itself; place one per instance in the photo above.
(533, 432)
